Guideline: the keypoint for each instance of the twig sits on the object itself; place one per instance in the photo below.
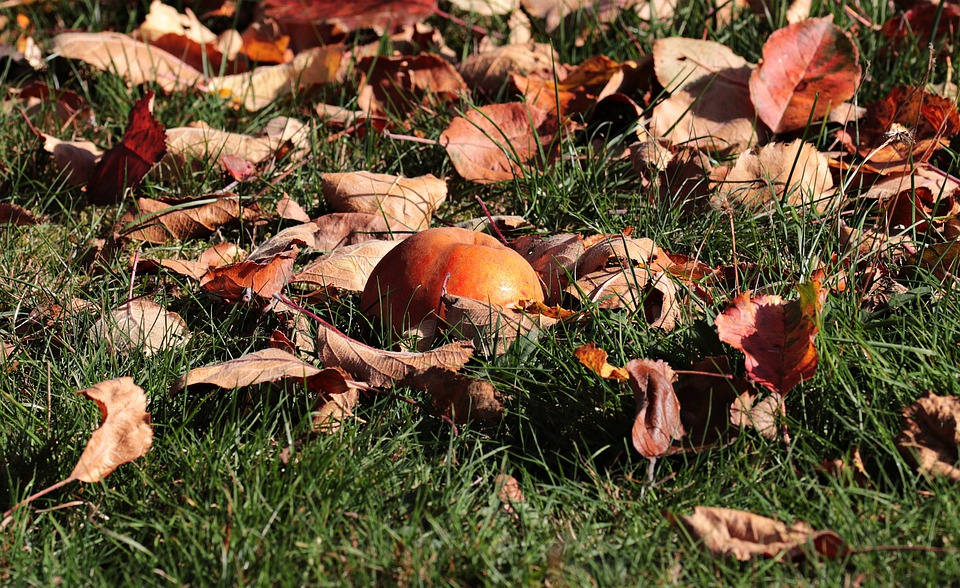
(483, 205)
(37, 495)
(708, 374)
(411, 138)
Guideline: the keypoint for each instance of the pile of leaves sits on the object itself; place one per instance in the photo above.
(704, 127)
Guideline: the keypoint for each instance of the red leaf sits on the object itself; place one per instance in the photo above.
(807, 69)
(241, 281)
(143, 145)
(776, 336)
(657, 422)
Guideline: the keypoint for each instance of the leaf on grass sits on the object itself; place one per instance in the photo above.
(657, 421)
(242, 281)
(264, 85)
(596, 360)
(397, 86)
(337, 395)
(259, 367)
(792, 173)
(124, 435)
(764, 416)
(776, 337)
(144, 143)
(744, 535)
(808, 69)
(75, 160)
(290, 209)
(143, 325)
(796, 10)
(554, 258)
(491, 327)
(218, 255)
(459, 398)
(498, 142)
(709, 106)
(14, 214)
(346, 268)
(380, 368)
(490, 70)
(930, 435)
(403, 202)
(330, 232)
(706, 401)
(379, 15)
(573, 94)
(159, 222)
(509, 493)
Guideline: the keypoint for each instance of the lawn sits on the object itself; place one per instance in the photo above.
(241, 486)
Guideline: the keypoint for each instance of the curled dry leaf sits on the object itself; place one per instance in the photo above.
(459, 398)
(75, 160)
(140, 324)
(595, 359)
(259, 367)
(792, 173)
(744, 535)
(657, 421)
(764, 416)
(134, 60)
(403, 202)
(776, 337)
(575, 93)
(509, 493)
(497, 143)
(808, 68)
(490, 70)
(144, 143)
(346, 268)
(159, 222)
(930, 435)
(680, 176)
(491, 327)
(381, 368)
(337, 396)
(124, 435)
(709, 105)
(246, 279)
(330, 232)
(397, 86)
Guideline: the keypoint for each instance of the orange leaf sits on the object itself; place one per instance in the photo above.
(241, 281)
(775, 336)
(807, 69)
(596, 359)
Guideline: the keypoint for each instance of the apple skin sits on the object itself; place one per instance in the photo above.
(406, 286)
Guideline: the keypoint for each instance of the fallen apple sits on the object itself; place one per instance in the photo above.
(406, 286)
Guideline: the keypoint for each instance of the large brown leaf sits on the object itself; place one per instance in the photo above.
(140, 324)
(491, 327)
(403, 202)
(124, 435)
(490, 70)
(744, 535)
(266, 365)
(346, 268)
(595, 359)
(459, 398)
(808, 68)
(249, 278)
(380, 15)
(657, 421)
(931, 436)
(497, 143)
(159, 222)
(777, 337)
(381, 368)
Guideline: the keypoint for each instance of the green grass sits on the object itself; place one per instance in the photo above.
(236, 491)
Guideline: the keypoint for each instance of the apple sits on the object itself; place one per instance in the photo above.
(405, 288)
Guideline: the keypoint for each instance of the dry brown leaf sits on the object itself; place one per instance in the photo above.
(346, 268)
(266, 365)
(403, 202)
(489, 71)
(397, 86)
(554, 258)
(575, 93)
(75, 160)
(795, 174)
(219, 255)
(459, 398)
(134, 60)
(491, 327)
(509, 493)
(159, 222)
(657, 421)
(243, 281)
(743, 535)
(124, 435)
(330, 232)
(165, 20)
(380, 368)
(487, 7)
(266, 84)
(289, 209)
(337, 396)
(930, 435)
(140, 324)
(595, 359)
(764, 416)
(14, 214)
(797, 10)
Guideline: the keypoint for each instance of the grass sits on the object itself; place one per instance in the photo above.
(235, 490)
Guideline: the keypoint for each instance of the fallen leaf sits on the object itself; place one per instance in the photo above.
(930, 435)
(329, 232)
(159, 222)
(924, 23)
(487, 7)
(289, 209)
(491, 327)
(497, 143)
(397, 86)
(134, 60)
(124, 435)
(75, 160)
(459, 398)
(380, 368)
(403, 202)
(346, 268)
(246, 279)
(263, 41)
(776, 337)
(14, 214)
(140, 324)
(218, 255)
(489, 71)
(259, 367)
(705, 400)
(794, 173)
(796, 10)
(509, 493)
(764, 416)
(126, 163)
(379, 15)
(657, 421)
(575, 93)
(337, 396)
(743, 535)
(554, 258)
(848, 469)
(595, 359)
(808, 68)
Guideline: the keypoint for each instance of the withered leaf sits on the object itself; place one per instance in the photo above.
(290, 209)
(595, 359)
(337, 396)
(379, 15)
(404, 202)
(219, 255)
(124, 435)
(743, 535)
(930, 435)
(14, 214)
(396, 86)
(489, 71)
(246, 279)
(329, 232)
(491, 327)
(460, 398)
(266, 365)
(764, 416)
(776, 337)
(553, 257)
(346, 268)
(657, 421)
(140, 324)
(159, 222)
(380, 368)
(705, 401)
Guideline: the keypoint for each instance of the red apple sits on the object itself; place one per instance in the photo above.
(406, 286)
